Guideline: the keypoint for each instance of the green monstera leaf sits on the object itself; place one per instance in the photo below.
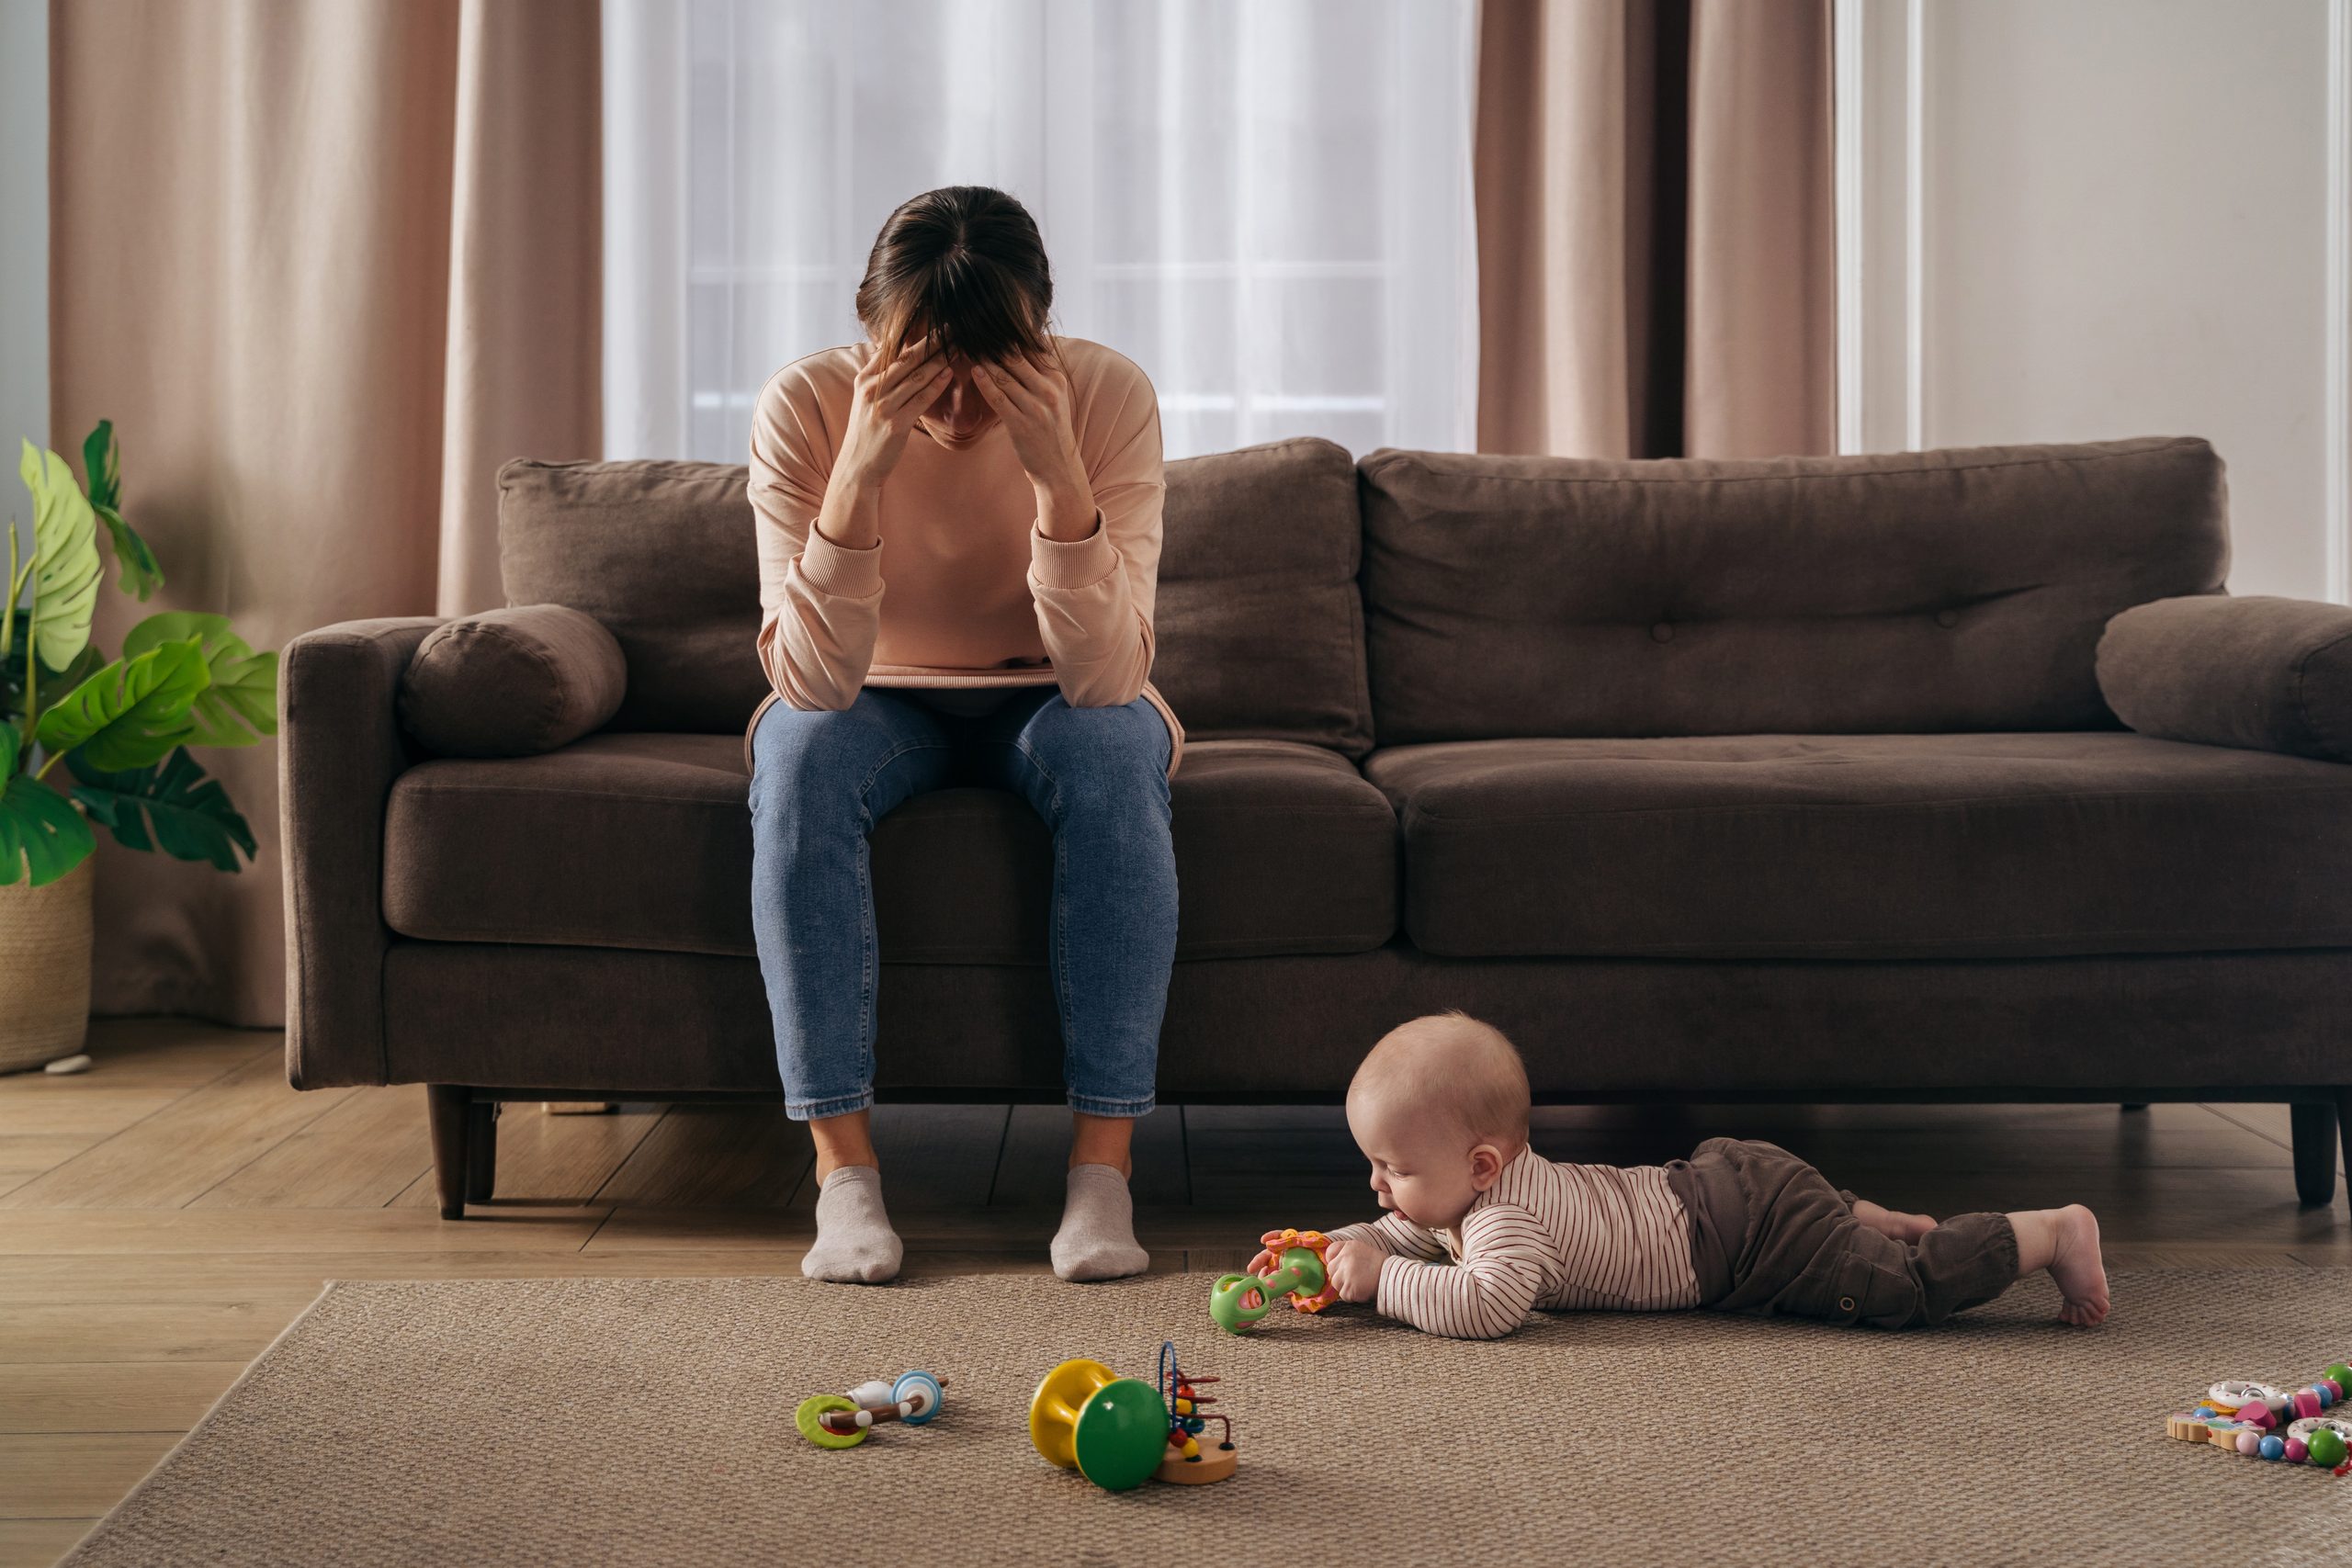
(65, 556)
(240, 705)
(179, 808)
(131, 713)
(102, 461)
(85, 664)
(41, 832)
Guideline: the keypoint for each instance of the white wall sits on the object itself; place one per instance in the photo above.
(24, 242)
(2077, 219)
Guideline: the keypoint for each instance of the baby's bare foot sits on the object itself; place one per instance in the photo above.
(2078, 1268)
(1892, 1222)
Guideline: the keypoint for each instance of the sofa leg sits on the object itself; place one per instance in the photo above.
(2314, 1124)
(482, 1150)
(450, 1109)
(2135, 1105)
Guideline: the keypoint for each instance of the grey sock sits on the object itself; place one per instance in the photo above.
(1097, 1240)
(855, 1241)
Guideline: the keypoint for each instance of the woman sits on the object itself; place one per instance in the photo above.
(1014, 479)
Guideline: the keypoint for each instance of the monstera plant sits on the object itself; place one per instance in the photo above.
(87, 739)
(121, 726)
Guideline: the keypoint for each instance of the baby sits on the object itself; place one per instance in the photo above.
(1440, 1108)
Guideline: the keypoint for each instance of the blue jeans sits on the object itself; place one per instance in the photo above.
(1099, 778)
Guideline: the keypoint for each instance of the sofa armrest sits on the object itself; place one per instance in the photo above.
(2265, 673)
(339, 748)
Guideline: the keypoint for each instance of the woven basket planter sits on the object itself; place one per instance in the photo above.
(44, 969)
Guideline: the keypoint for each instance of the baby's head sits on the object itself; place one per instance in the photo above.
(1439, 1106)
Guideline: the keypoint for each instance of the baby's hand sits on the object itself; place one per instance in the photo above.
(1355, 1269)
(1263, 1263)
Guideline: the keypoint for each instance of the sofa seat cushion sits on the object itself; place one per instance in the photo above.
(644, 841)
(1867, 846)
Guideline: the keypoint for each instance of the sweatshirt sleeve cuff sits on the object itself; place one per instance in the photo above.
(1072, 563)
(838, 570)
(1388, 1300)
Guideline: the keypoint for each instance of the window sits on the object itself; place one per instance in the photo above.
(1266, 206)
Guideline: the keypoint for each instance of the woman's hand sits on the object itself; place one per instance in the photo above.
(885, 405)
(1034, 400)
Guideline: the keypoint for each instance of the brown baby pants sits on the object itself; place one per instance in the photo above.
(1769, 1235)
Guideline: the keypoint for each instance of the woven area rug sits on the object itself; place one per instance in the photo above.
(625, 1421)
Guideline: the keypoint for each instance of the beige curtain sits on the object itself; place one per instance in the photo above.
(1655, 231)
(325, 264)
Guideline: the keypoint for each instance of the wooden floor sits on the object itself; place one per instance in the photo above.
(162, 1217)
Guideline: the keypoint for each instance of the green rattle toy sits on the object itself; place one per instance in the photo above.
(1237, 1301)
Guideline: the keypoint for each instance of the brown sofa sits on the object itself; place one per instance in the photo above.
(1793, 779)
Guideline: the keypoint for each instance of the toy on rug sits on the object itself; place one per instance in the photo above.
(1237, 1301)
(1121, 1432)
(843, 1421)
(2243, 1417)
(1186, 1462)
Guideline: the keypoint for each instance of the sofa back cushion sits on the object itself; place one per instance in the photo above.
(1904, 591)
(1258, 628)
(661, 553)
(1257, 632)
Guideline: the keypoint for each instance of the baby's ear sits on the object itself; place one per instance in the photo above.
(1485, 1166)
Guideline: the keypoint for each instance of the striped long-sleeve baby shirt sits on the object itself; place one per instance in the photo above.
(1546, 1235)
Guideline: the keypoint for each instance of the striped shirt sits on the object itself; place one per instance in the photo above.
(1546, 1235)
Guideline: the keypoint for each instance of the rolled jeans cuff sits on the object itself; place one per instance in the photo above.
(838, 1105)
(1087, 1105)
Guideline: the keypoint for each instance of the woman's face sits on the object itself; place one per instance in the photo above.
(959, 409)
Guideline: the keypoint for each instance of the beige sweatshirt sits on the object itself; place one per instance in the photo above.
(973, 596)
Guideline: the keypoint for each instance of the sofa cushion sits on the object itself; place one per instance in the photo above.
(661, 553)
(1959, 588)
(1258, 627)
(509, 683)
(1879, 846)
(644, 841)
(2269, 674)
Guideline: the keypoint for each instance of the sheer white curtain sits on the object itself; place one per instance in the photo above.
(1266, 204)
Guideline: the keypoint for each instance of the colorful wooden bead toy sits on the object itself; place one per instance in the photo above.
(1186, 1462)
(2263, 1421)
(843, 1421)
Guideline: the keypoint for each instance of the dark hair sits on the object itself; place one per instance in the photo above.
(964, 262)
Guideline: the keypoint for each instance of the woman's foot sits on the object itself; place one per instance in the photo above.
(1892, 1222)
(1097, 1240)
(855, 1241)
(2076, 1266)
